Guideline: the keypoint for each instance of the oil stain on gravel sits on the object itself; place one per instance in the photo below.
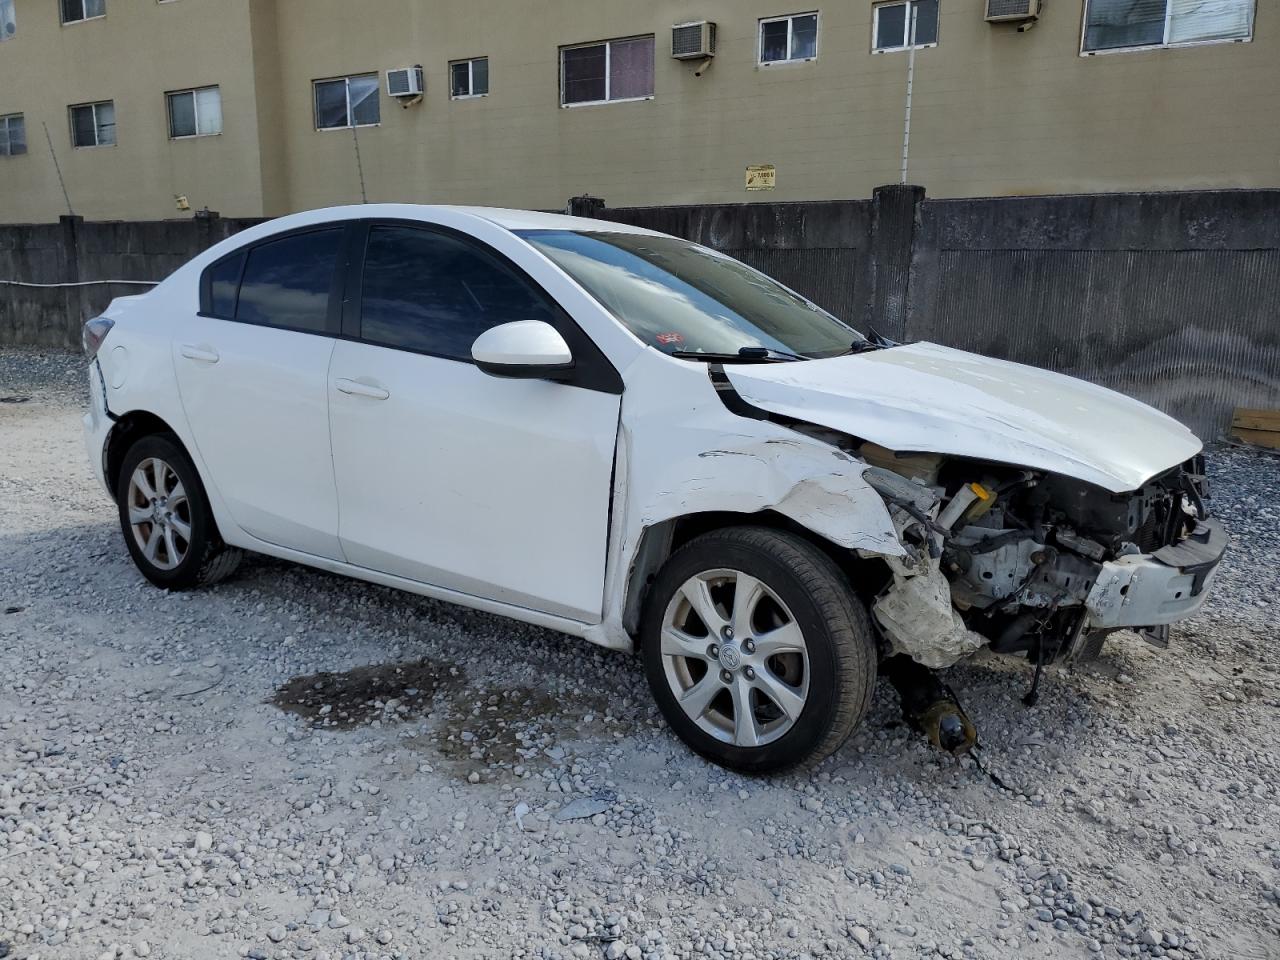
(359, 697)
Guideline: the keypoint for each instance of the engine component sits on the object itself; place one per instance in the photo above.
(930, 706)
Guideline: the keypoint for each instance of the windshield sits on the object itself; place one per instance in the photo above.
(686, 300)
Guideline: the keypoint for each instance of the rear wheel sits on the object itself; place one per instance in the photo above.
(756, 649)
(165, 517)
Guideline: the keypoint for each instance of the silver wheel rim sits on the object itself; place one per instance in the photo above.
(159, 514)
(735, 658)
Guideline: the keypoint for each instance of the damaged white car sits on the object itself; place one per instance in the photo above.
(639, 441)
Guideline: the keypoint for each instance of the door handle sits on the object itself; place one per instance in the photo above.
(201, 354)
(355, 388)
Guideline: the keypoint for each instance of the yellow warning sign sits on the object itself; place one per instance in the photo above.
(761, 176)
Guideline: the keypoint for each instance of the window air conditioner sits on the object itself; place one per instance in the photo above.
(404, 83)
(693, 41)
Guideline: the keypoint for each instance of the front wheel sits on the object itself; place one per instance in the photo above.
(756, 649)
(166, 520)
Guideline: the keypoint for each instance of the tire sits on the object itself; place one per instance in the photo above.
(178, 548)
(802, 704)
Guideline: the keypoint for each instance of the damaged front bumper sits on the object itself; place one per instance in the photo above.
(1148, 590)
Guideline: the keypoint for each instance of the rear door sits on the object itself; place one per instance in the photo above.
(496, 488)
(253, 372)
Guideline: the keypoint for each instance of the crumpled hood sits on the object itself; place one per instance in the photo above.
(925, 398)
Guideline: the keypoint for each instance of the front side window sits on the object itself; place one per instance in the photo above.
(76, 10)
(1121, 24)
(195, 113)
(900, 26)
(607, 71)
(783, 39)
(287, 282)
(685, 299)
(8, 20)
(93, 124)
(13, 135)
(469, 78)
(434, 293)
(347, 102)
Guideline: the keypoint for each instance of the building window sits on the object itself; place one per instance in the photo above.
(195, 113)
(1126, 24)
(607, 71)
(892, 25)
(73, 11)
(784, 39)
(13, 135)
(469, 78)
(347, 102)
(93, 124)
(8, 20)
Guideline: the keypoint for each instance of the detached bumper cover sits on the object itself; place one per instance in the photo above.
(1158, 588)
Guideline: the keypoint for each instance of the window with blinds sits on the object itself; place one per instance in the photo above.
(1121, 24)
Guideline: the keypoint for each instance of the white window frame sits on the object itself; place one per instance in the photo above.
(13, 18)
(906, 29)
(1165, 44)
(4, 122)
(608, 69)
(471, 78)
(96, 16)
(789, 19)
(195, 107)
(96, 144)
(351, 114)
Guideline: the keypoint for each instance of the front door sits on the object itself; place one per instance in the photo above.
(252, 369)
(496, 488)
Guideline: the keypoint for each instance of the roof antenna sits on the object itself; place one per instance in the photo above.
(364, 198)
(62, 183)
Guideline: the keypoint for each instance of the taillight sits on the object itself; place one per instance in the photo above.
(94, 332)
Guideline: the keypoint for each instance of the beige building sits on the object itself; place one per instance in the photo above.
(157, 108)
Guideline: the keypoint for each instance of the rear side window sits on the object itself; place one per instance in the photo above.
(224, 282)
(435, 294)
(287, 282)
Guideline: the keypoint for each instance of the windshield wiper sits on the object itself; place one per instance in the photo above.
(766, 354)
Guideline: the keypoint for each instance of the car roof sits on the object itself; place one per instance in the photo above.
(508, 219)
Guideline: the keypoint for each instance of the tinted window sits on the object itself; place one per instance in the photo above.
(286, 282)
(224, 279)
(430, 292)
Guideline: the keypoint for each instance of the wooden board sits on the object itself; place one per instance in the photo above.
(1257, 426)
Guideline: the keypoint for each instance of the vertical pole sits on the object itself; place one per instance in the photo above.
(57, 169)
(359, 166)
(911, 75)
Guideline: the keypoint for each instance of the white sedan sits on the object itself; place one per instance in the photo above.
(636, 440)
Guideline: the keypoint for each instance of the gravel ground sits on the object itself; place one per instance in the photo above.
(296, 765)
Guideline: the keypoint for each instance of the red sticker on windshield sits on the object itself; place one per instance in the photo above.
(669, 338)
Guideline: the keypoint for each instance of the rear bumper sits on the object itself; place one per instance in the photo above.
(97, 425)
(1159, 588)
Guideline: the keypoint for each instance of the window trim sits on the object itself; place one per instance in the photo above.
(1166, 45)
(351, 114)
(592, 369)
(337, 287)
(8, 153)
(906, 28)
(788, 18)
(72, 124)
(608, 63)
(471, 79)
(96, 16)
(195, 107)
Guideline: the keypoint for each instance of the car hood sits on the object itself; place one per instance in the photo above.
(926, 398)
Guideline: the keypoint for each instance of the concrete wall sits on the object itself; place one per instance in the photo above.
(1170, 297)
(996, 112)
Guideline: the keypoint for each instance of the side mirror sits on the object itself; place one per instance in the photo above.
(532, 349)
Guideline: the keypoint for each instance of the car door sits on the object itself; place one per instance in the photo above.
(497, 488)
(252, 369)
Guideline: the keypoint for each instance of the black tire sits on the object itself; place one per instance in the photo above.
(837, 634)
(206, 559)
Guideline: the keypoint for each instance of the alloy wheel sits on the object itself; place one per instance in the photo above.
(735, 657)
(159, 513)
